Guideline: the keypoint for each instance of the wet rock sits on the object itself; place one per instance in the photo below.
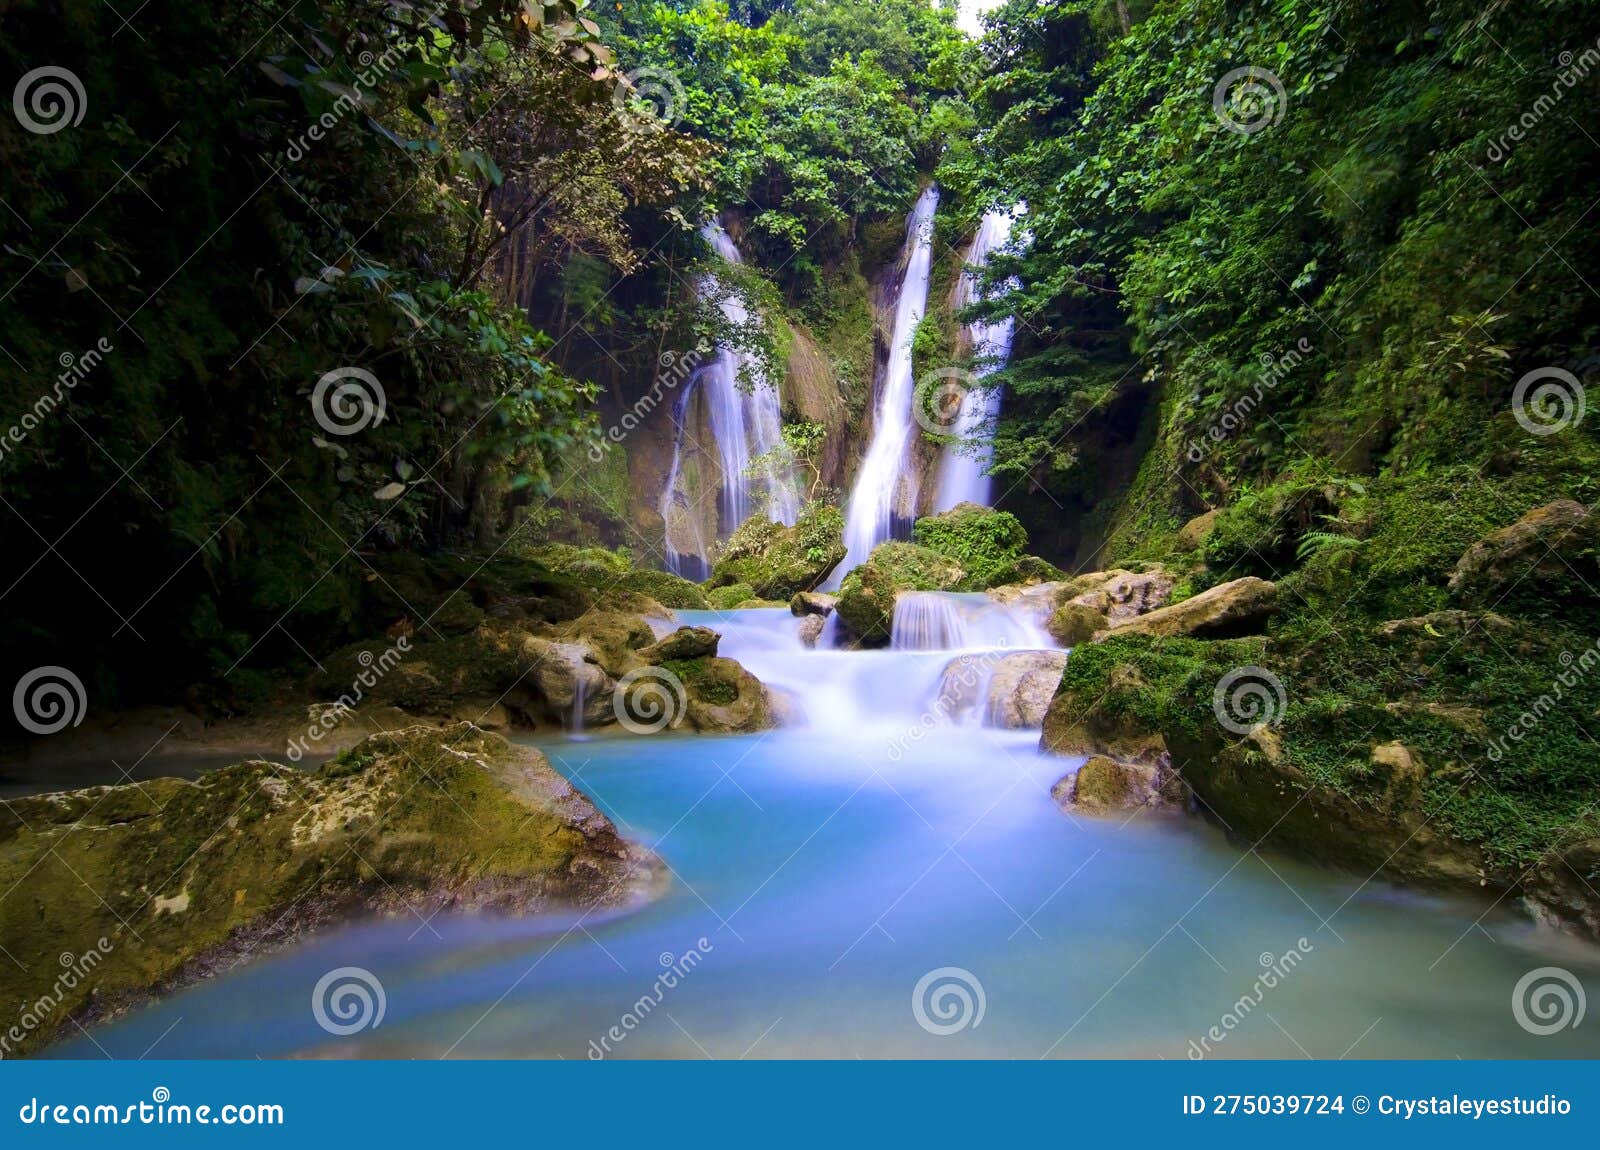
(813, 603)
(1234, 608)
(1104, 785)
(1104, 722)
(867, 596)
(776, 561)
(215, 872)
(811, 627)
(684, 643)
(560, 673)
(1021, 687)
(1074, 623)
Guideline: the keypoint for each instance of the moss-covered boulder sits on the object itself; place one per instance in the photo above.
(728, 598)
(1104, 785)
(986, 544)
(665, 588)
(1238, 607)
(776, 561)
(867, 596)
(1544, 562)
(170, 881)
(684, 643)
(706, 693)
(1074, 623)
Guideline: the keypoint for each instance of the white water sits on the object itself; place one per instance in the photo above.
(821, 872)
(885, 485)
(936, 620)
(962, 467)
(746, 422)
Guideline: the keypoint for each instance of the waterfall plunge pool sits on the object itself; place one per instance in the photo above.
(860, 891)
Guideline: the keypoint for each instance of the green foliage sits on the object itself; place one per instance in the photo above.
(986, 543)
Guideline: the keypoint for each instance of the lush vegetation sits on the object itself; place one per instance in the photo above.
(480, 217)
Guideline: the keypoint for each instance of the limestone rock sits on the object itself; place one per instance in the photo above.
(1104, 785)
(1550, 551)
(1021, 687)
(1233, 608)
(684, 643)
(813, 603)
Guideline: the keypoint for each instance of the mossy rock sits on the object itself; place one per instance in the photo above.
(665, 588)
(987, 544)
(867, 595)
(1074, 623)
(184, 880)
(720, 696)
(727, 598)
(776, 562)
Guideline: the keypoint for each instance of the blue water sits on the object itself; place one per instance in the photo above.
(828, 874)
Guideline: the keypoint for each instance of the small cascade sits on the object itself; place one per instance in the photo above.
(884, 487)
(684, 529)
(927, 621)
(580, 697)
(945, 650)
(962, 466)
(743, 419)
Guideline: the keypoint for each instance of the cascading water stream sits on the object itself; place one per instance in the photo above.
(885, 486)
(885, 693)
(962, 477)
(743, 417)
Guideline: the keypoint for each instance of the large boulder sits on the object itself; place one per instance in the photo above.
(1550, 554)
(684, 643)
(987, 544)
(1125, 595)
(1105, 718)
(1234, 608)
(776, 561)
(571, 684)
(867, 595)
(1021, 687)
(210, 873)
(1104, 785)
(707, 694)
(813, 603)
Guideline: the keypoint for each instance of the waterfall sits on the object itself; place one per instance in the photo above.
(927, 621)
(946, 647)
(961, 467)
(685, 536)
(745, 423)
(877, 496)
